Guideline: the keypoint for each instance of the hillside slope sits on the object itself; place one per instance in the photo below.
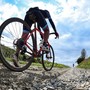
(85, 64)
(8, 52)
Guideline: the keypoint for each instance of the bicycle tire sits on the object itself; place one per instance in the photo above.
(48, 68)
(4, 61)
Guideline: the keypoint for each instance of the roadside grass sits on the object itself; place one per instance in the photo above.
(55, 65)
(85, 64)
(8, 52)
(60, 65)
(36, 63)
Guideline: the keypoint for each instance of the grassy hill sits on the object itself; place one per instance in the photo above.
(85, 64)
(58, 65)
(8, 52)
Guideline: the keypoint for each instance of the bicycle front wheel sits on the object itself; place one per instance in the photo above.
(10, 31)
(48, 59)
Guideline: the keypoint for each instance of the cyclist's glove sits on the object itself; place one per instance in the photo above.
(57, 35)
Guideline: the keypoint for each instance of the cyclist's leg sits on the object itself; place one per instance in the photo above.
(43, 24)
(25, 29)
(20, 43)
(25, 33)
(46, 34)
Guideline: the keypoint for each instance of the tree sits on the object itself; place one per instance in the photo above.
(82, 57)
(83, 53)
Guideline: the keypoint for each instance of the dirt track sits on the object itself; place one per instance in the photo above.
(36, 78)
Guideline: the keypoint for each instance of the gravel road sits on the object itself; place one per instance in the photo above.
(35, 78)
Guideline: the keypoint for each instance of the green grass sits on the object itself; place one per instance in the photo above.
(85, 64)
(57, 65)
(8, 52)
(36, 63)
(60, 65)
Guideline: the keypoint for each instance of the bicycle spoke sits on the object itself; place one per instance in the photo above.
(11, 31)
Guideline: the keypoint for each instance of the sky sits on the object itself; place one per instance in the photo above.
(72, 21)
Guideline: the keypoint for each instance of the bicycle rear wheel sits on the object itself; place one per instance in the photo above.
(10, 31)
(48, 59)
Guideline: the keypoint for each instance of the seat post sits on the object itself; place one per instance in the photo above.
(35, 40)
(34, 25)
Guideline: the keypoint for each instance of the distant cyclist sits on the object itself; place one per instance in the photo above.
(35, 15)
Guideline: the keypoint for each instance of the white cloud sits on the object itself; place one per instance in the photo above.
(8, 10)
(73, 10)
(65, 36)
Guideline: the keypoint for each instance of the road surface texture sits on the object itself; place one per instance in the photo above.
(36, 78)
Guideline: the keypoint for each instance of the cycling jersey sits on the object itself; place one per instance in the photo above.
(39, 16)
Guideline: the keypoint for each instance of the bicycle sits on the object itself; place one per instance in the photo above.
(10, 32)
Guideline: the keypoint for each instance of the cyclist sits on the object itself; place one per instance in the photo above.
(36, 15)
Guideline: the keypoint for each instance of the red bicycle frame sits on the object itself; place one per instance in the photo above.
(35, 51)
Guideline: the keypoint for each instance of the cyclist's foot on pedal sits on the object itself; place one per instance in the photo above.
(15, 60)
(44, 46)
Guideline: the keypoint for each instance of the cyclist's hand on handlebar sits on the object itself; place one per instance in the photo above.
(57, 35)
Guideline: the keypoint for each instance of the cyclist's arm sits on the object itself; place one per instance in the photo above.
(51, 21)
(52, 24)
(54, 28)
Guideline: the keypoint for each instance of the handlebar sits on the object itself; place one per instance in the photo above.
(53, 33)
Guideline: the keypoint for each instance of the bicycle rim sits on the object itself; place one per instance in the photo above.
(48, 61)
(11, 30)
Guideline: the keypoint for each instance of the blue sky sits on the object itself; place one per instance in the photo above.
(72, 20)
